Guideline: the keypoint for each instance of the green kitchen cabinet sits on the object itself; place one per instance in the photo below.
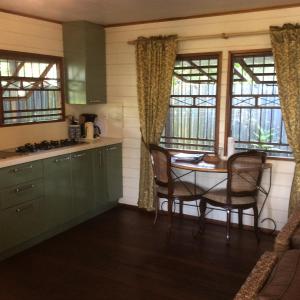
(82, 182)
(114, 181)
(84, 60)
(107, 176)
(20, 223)
(41, 198)
(21, 194)
(58, 207)
(20, 173)
(100, 179)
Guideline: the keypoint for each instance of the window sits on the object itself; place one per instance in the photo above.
(31, 88)
(256, 121)
(193, 112)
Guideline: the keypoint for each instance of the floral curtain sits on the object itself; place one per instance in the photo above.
(286, 49)
(155, 59)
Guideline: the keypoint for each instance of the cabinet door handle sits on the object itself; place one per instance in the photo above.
(23, 208)
(111, 148)
(79, 155)
(17, 170)
(62, 159)
(24, 188)
(94, 101)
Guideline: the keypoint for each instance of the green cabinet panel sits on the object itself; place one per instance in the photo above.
(47, 196)
(82, 182)
(19, 223)
(58, 207)
(114, 172)
(20, 173)
(21, 193)
(108, 184)
(85, 66)
(99, 179)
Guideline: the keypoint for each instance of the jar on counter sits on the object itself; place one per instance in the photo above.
(74, 132)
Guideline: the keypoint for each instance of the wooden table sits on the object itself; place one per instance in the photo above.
(220, 166)
(204, 166)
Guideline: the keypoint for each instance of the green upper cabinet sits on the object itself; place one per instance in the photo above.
(85, 67)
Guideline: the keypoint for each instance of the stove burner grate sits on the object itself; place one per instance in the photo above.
(46, 145)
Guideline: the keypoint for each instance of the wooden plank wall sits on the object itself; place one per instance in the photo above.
(35, 36)
(121, 83)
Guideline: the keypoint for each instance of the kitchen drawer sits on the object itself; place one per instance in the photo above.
(20, 173)
(21, 193)
(19, 224)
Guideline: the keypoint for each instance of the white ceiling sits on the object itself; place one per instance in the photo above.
(109, 12)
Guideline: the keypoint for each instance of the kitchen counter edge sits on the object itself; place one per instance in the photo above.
(102, 142)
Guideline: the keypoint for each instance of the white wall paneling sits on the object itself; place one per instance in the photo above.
(121, 83)
(34, 36)
(121, 114)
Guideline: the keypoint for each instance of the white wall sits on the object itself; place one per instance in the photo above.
(35, 36)
(122, 89)
(30, 35)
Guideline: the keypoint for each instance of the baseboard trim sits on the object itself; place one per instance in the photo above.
(208, 220)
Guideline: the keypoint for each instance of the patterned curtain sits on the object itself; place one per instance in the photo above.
(286, 49)
(155, 59)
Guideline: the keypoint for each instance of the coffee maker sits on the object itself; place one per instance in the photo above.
(89, 129)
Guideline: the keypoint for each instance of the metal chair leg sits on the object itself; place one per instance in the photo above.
(156, 209)
(255, 212)
(202, 215)
(170, 213)
(228, 223)
(240, 213)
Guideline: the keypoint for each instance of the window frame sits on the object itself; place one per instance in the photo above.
(36, 57)
(231, 55)
(218, 56)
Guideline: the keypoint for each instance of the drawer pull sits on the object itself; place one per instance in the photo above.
(17, 170)
(62, 159)
(24, 208)
(79, 155)
(24, 188)
(111, 148)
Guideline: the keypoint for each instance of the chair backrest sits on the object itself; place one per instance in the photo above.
(161, 163)
(245, 172)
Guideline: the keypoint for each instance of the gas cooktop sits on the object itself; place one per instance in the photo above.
(47, 145)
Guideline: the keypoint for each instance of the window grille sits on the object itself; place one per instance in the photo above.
(193, 110)
(31, 88)
(256, 120)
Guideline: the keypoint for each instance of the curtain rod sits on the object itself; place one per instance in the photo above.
(215, 36)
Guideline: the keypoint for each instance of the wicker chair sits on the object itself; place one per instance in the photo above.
(289, 236)
(244, 177)
(167, 187)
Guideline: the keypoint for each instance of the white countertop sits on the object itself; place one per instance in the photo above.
(15, 160)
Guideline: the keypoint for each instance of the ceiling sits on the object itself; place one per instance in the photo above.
(109, 12)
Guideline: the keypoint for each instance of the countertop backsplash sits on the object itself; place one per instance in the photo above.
(14, 136)
(110, 117)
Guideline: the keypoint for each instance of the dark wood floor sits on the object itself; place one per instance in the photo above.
(121, 255)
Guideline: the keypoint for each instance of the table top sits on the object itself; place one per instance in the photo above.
(205, 166)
